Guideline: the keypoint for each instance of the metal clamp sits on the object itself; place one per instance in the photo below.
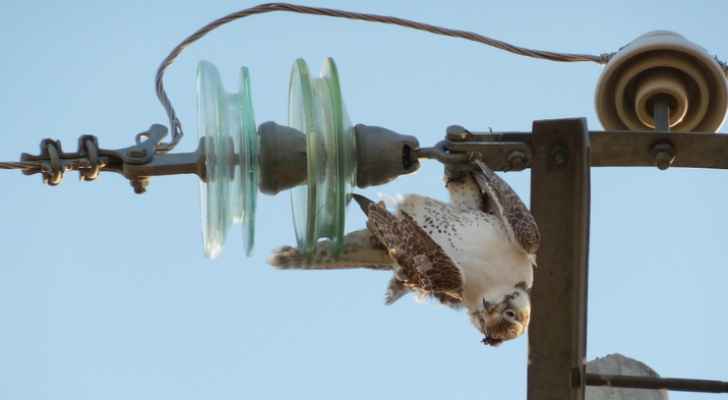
(137, 162)
(501, 151)
(441, 152)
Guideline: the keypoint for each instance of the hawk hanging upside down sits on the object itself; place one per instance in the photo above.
(479, 251)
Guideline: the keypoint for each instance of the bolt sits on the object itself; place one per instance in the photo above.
(140, 184)
(664, 155)
(517, 160)
(559, 155)
(664, 159)
(457, 133)
(137, 153)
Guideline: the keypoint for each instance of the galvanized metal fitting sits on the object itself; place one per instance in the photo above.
(664, 154)
(559, 155)
(139, 184)
(457, 133)
(517, 161)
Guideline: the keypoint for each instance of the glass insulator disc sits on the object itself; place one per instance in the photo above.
(227, 128)
(316, 109)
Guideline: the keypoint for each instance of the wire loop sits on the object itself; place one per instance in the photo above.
(176, 126)
(53, 171)
(90, 147)
(441, 153)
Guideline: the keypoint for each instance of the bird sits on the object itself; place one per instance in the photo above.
(477, 252)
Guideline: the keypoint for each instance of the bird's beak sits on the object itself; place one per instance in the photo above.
(489, 341)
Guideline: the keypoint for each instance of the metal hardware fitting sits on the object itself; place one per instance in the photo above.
(502, 151)
(517, 160)
(442, 153)
(456, 133)
(664, 154)
(559, 155)
(137, 163)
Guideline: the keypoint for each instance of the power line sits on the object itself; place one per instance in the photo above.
(176, 125)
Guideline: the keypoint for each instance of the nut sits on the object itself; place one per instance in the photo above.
(664, 154)
(559, 155)
(137, 153)
(457, 133)
(517, 160)
(664, 159)
(140, 184)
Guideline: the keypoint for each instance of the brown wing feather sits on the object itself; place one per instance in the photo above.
(448, 300)
(422, 262)
(508, 207)
(395, 291)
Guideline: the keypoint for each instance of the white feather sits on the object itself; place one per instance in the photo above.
(490, 263)
(391, 202)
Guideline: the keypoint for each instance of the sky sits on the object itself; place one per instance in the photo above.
(107, 294)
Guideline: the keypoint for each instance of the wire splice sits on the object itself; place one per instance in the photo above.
(136, 163)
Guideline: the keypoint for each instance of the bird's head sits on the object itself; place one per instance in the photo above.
(503, 317)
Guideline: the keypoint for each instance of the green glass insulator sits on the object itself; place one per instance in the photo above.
(316, 108)
(227, 125)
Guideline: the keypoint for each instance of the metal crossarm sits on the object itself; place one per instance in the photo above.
(608, 149)
(642, 382)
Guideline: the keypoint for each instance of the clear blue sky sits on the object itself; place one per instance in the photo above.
(106, 294)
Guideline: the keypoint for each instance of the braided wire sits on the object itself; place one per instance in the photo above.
(176, 126)
(24, 165)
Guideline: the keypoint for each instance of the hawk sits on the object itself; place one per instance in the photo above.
(477, 252)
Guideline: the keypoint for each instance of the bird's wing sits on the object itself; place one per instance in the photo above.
(360, 250)
(505, 204)
(422, 264)
(395, 290)
(448, 300)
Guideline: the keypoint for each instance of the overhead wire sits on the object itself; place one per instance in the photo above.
(24, 165)
(175, 125)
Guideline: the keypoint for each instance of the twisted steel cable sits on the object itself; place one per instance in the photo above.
(176, 126)
(25, 165)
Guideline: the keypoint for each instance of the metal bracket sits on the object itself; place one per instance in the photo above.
(501, 151)
(513, 151)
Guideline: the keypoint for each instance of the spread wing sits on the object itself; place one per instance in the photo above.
(360, 250)
(421, 263)
(505, 204)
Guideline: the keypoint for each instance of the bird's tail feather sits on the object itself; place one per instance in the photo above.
(395, 291)
(363, 202)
